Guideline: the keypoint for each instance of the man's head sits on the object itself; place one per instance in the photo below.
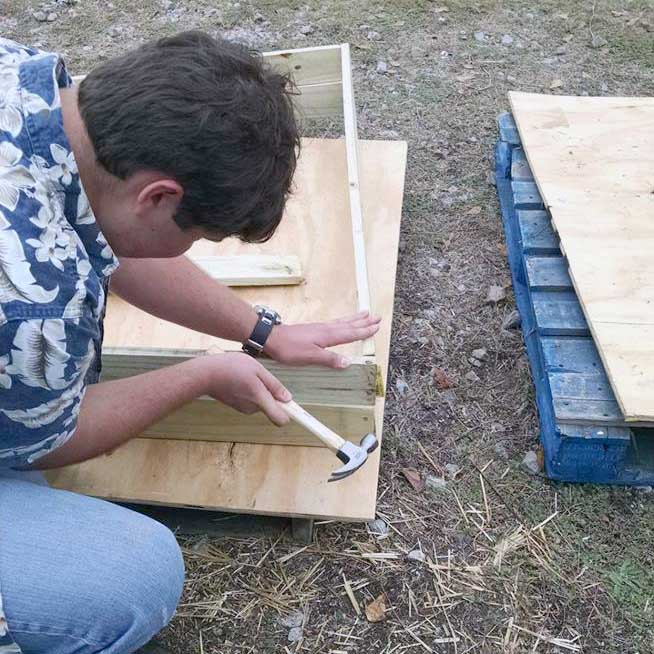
(201, 137)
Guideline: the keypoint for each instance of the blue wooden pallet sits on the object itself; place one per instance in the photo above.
(584, 435)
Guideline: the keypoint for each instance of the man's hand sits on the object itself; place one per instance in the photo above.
(306, 343)
(239, 381)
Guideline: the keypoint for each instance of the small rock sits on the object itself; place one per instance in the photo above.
(474, 362)
(507, 39)
(416, 555)
(604, 87)
(495, 295)
(530, 461)
(401, 386)
(481, 354)
(51, 17)
(414, 478)
(373, 36)
(382, 68)
(293, 620)
(442, 380)
(376, 610)
(511, 79)
(512, 321)
(480, 36)
(472, 376)
(452, 470)
(490, 176)
(294, 634)
(378, 527)
(435, 483)
(561, 50)
(556, 84)
(40, 16)
(501, 451)
(389, 134)
(306, 30)
(598, 41)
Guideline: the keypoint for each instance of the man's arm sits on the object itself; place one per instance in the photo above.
(114, 412)
(177, 290)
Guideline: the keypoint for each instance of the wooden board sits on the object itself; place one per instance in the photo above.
(208, 420)
(316, 227)
(593, 161)
(248, 270)
(265, 479)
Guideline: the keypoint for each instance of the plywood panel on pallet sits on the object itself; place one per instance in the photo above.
(275, 479)
(593, 161)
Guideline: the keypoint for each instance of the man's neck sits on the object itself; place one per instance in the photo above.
(93, 179)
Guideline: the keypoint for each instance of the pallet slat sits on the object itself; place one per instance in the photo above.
(548, 274)
(536, 233)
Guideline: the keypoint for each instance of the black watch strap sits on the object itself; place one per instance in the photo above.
(267, 320)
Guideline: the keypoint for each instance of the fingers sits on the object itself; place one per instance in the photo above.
(321, 357)
(274, 386)
(271, 392)
(347, 333)
(361, 317)
(271, 407)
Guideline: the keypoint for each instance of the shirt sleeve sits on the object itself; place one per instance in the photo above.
(43, 365)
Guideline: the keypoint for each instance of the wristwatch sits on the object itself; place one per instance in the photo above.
(267, 320)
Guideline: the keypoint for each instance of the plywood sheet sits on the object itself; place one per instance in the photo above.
(274, 479)
(316, 229)
(593, 161)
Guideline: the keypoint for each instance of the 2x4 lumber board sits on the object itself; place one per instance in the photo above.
(593, 161)
(353, 173)
(317, 75)
(208, 420)
(355, 385)
(248, 270)
(316, 72)
(269, 479)
(308, 66)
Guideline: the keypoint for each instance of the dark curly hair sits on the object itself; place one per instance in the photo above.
(210, 114)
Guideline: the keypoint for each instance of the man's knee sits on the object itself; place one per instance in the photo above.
(82, 575)
(147, 591)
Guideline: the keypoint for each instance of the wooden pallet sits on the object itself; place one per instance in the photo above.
(205, 456)
(584, 434)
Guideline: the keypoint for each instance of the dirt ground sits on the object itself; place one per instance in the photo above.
(493, 558)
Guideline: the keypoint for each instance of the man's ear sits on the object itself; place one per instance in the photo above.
(162, 195)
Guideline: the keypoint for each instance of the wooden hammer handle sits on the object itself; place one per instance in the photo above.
(331, 439)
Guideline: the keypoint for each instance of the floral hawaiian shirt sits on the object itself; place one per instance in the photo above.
(54, 267)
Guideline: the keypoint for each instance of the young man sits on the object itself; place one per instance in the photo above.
(182, 139)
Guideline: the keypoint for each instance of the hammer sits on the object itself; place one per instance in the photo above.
(353, 456)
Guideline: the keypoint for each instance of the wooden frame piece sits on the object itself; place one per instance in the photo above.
(324, 81)
(252, 270)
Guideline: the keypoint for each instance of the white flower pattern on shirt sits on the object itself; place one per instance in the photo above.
(54, 267)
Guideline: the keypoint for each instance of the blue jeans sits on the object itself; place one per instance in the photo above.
(79, 575)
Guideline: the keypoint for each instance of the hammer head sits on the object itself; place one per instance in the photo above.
(354, 456)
